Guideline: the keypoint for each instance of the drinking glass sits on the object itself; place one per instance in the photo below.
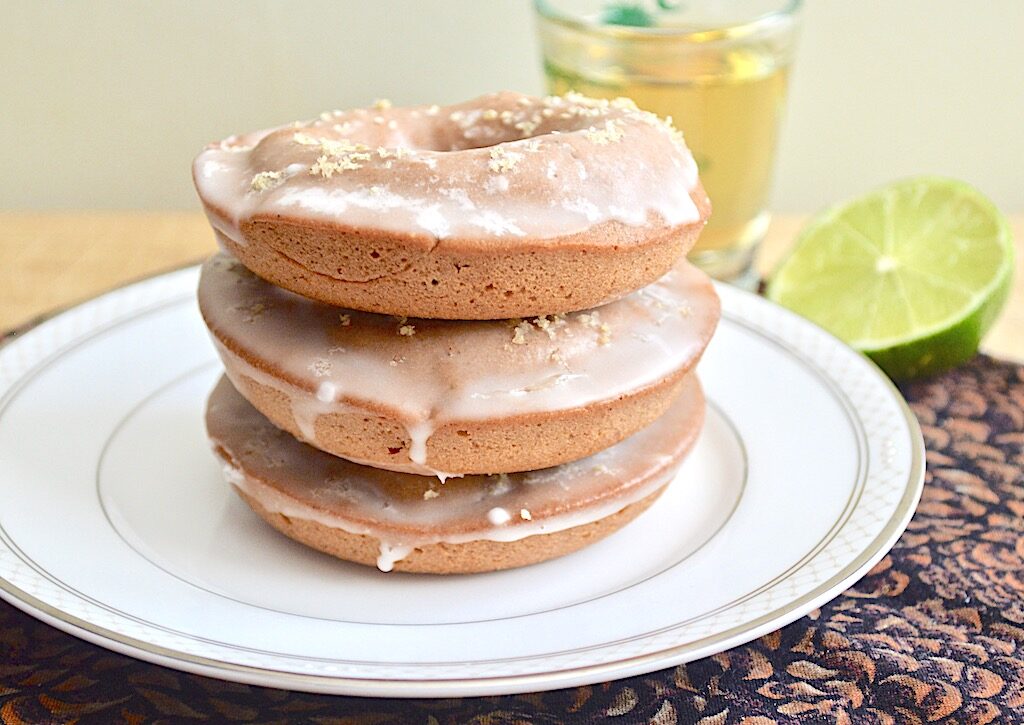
(718, 68)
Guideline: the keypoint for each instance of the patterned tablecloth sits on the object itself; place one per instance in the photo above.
(934, 633)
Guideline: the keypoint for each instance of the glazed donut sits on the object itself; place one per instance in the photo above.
(457, 397)
(504, 206)
(413, 523)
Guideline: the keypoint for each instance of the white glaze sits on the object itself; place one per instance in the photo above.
(450, 371)
(533, 167)
(419, 433)
(498, 516)
(389, 554)
(292, 479)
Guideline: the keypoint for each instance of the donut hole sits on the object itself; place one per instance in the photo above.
(464, 144)
(375, 254)
(451, 138)
(483, 123)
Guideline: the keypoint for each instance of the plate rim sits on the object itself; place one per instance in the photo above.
(778, 617)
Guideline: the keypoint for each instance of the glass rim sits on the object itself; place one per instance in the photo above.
(736, 30)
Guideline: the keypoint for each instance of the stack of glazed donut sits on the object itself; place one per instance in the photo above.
(456, 339)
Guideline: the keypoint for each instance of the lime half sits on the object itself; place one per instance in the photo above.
(912, 274)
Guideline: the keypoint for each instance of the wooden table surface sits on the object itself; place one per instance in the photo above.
(51, 260)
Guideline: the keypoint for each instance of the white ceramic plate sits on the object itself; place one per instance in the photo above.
(115, 524)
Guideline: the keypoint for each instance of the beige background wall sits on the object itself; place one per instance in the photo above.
(104, 103)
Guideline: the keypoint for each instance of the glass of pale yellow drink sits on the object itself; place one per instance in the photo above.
(718, 68)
